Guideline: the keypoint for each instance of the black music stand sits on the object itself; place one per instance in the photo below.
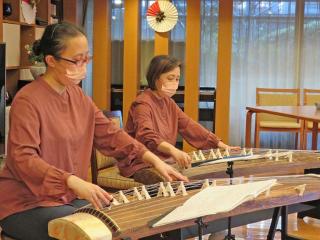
(229, 171)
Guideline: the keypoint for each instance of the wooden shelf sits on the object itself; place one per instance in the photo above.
(10, 21)
(21, 23)
(17, 34)
(17, 67)
(12, 67)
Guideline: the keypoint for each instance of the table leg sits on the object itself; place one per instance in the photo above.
(248, 129)
(274, 223)
(284, 222)
(303, 139)
(314, 135)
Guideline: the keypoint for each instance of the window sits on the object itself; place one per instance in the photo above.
(310, 52)
(117, 17)
(267, 52)
(209, 42)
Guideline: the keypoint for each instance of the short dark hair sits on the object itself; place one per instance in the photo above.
(53, 40)
(158, 65)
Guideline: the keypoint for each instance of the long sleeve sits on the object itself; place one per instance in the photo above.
(144, 127)
(115, 142)
(50, 137)
(41, 178)
(194, 133)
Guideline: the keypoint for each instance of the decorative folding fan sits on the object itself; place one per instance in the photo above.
(162, 16)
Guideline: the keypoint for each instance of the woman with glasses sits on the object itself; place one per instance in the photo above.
(155, 119)
(53, 126)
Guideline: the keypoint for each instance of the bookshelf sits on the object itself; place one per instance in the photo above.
(16, 33)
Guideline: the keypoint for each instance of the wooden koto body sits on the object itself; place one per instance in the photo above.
(262, 165)
(134, 211)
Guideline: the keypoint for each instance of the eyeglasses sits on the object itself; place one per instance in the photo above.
(78, 63)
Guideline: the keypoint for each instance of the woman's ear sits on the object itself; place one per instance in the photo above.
(158, 84)
(50, 60)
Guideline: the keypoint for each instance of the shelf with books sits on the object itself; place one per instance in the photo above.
(17, 32)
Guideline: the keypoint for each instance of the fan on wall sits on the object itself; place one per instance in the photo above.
(162, 16)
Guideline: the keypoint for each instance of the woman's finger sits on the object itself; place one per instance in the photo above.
(167, 177)
(102, 197)
(93, 202)
(186, 163)
(96, 201)
(189, 159)
(178, 176)
(107, 195)
(181, 163)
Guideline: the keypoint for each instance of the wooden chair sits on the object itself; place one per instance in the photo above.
(269, 122)
(310, 97)
(104, 171)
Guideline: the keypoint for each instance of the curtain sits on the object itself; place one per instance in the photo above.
(263, 55)
(209, 51)
(310, 53)
(310, 64)
(209, 46)
(117, 18)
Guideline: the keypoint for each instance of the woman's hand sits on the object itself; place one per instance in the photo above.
(182, 158)
(168, 172)
(88, 191)
(165, 170)
(225, 146)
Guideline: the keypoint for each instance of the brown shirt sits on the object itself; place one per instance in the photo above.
(51, 137)
(153, 119)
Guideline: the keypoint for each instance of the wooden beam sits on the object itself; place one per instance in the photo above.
(161, 43)
(224, 69)
(101, 77)
(131, 54)
(192, 62)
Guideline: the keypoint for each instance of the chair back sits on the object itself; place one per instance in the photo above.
(98, 160)
(311, 96)
(276, 97)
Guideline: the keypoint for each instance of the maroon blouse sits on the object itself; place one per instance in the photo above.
(153, 119)
(51, 137)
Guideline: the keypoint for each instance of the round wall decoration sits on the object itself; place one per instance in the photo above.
(162, 16)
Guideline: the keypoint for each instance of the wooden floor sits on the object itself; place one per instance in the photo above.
(259, 230)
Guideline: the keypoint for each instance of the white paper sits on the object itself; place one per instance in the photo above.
(217, 199)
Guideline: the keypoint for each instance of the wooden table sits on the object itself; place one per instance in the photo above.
(303, 113)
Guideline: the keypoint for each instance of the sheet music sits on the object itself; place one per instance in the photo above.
(217, 199)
